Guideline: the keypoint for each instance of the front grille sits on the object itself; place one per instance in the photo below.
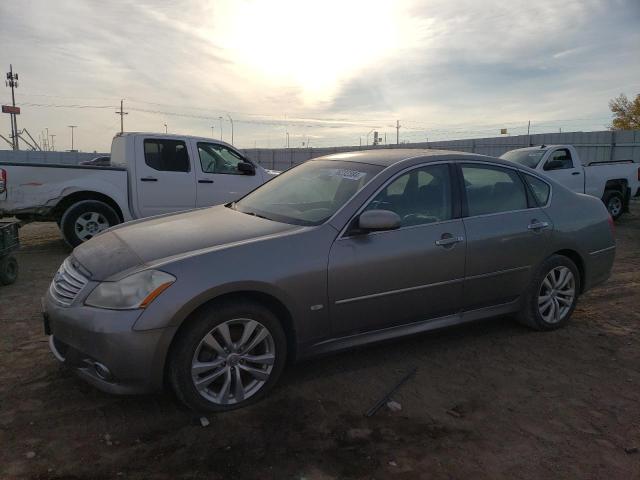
(67, 283)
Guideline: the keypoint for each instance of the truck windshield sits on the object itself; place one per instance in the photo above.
(528, 158)
(308, 194)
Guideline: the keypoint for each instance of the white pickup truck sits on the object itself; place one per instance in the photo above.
(150, 174)
(615, 182)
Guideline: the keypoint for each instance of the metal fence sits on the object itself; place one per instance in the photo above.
(592, 147)
(56, 158)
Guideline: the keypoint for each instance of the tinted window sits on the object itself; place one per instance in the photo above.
(420, 196)
(308, 194)
(166, 155)
(541, 190)
(493, 190)
(219, 159)
(560, 160)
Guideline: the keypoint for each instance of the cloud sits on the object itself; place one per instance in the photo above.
(435, 65)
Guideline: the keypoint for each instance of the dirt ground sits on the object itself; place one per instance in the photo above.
(489, 400)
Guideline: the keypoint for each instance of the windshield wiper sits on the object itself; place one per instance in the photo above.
(255, 214)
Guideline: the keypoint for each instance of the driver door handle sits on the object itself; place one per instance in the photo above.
(451, 240)
(148, 179)
(575, 173)
(535, 225)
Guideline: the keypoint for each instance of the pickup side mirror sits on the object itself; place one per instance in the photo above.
(246, 168)
(553, 165)
(378, 220)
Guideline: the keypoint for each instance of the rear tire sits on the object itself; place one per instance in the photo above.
(8, 270)
(213, 346)
(614, 201)
(85, 219)
(552, 295)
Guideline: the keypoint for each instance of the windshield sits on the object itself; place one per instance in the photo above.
(308, 194)
(528, 158)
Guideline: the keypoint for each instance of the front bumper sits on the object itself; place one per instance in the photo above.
(102, 347)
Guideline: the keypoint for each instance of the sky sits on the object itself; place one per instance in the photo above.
(321, 73)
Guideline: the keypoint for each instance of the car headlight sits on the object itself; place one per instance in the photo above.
(135, 291)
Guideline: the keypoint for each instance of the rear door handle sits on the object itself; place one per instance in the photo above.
(450, 240)
(535, 225)
(148, 179)
(205, 181)
(575, 173)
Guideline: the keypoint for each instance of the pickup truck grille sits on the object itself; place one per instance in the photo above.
(67, 283)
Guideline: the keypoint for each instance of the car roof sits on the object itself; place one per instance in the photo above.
(387, 157)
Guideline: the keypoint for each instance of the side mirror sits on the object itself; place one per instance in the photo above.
(553, 165)
(246, 168)
(378, 220)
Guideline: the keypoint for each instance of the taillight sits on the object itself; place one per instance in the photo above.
(3, 180)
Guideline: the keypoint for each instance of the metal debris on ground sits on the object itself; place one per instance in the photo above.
(394, 406)
(373, 410)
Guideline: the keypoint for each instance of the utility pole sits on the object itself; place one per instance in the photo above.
(12, 81)
(397, 132)
(72, 127)
(52, 147)
(287, 133)
(122, 113)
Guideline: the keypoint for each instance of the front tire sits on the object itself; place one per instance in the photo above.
(228, 356)
(552, 295)
(84, 220)
(614, 201)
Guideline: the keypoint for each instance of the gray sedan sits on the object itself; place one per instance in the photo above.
(340, 251)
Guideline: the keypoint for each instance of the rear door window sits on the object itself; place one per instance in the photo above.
(492, 189)
(166, 155)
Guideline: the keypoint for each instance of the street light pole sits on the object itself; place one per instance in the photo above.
(212, 127)
(220, 118)
(231, 120)
(165, 128)
(72, 127)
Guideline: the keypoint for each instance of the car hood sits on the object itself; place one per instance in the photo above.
(143, 242)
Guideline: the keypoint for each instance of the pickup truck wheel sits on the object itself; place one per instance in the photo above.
(614, 202)
(8, 270)
(228, 356)
(552, 295)
(84, 220)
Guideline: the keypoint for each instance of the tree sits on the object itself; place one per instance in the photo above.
(626, 113)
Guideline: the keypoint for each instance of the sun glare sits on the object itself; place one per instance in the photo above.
(308, 45)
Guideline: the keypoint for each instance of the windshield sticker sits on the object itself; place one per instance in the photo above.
(347, 174)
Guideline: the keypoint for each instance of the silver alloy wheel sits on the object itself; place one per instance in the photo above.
(89, 224)
(233, 361)
(556, 294)
(615, 206)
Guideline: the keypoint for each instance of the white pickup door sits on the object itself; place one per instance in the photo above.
(563, 168)
(217, 165)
